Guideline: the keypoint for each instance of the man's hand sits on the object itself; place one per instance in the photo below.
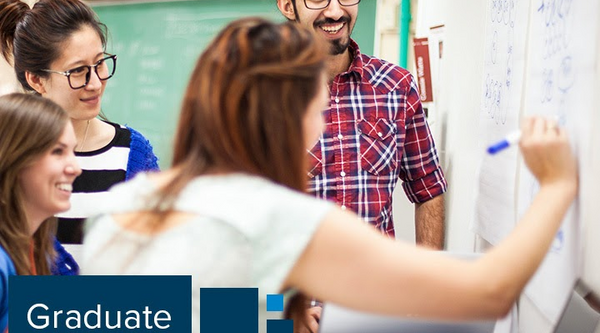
(311, 321)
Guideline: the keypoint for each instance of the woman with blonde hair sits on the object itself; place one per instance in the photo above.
(37, 170)
(231, 211)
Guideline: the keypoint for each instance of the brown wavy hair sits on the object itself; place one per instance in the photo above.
(29, 126)
(244, 106)
(35, 36)
(245, 102)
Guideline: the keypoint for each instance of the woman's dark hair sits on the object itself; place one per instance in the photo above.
(34, 36)
(29, 126)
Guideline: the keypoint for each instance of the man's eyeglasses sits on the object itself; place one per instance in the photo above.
(80, 76)
(322, 4)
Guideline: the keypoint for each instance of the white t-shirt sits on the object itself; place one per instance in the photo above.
(249, 232)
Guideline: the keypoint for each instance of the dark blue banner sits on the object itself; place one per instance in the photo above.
(100, 304)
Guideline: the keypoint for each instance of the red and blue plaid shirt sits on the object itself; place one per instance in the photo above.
(376, 132)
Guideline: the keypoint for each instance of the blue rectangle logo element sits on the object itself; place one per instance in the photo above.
(275, 302)
(280, 326)
(100, 304)
(229, 310)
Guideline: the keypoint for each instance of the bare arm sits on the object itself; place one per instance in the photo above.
(394, 278)
(429, 223)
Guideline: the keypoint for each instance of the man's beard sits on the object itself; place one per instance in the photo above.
(338, 47)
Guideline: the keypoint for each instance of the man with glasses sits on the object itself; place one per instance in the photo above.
(375, 133)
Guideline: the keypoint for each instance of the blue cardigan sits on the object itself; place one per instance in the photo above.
(141, 156)
(7, 268)
(64, 264)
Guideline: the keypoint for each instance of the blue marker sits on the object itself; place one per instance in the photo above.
(510, 139)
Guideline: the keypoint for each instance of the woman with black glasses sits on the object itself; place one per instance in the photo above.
(58, 52)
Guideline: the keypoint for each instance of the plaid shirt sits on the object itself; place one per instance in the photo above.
(376, 132)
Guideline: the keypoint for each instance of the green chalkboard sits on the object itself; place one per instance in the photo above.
(157, 45)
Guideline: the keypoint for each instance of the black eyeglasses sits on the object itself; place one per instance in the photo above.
(321, 4)
(80, 76)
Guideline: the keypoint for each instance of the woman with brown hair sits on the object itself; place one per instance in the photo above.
(37, 170)
(58, 49)
(232, 212)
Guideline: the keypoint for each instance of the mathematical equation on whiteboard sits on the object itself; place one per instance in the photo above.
(499, 61)
(554, 20)
(552, 59)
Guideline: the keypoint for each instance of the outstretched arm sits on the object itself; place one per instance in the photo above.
(353, 265)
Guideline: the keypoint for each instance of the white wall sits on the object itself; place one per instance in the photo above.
(458, 114)
(8, 80)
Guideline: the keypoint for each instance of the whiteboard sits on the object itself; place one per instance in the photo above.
(502, 94)
(541, 58)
